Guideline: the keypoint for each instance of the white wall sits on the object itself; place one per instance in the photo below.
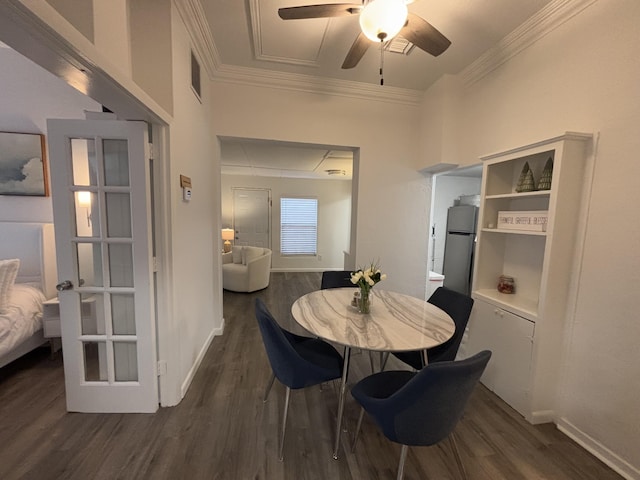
(392, 197)
(29, 96)
(439, 138)
(334, 217)
(197, 289)
(447, 189)
(584, 76)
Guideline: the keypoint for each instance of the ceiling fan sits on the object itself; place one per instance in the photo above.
(380, 21)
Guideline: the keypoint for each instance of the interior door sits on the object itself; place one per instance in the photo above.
(251, 217)
(100, 192)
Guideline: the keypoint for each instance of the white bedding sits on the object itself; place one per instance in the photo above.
(22, 316)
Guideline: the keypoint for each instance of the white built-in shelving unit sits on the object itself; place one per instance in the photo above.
(525, 330)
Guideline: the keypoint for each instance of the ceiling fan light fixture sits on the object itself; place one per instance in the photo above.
(381, 20)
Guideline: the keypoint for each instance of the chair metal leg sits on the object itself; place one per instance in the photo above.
(357, 432)
(403, 458)
(383, 362)
(456, 454)
(284, 423)
(373, 368)
(268, 389)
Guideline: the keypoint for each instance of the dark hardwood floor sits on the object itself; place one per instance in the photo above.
(223, 430)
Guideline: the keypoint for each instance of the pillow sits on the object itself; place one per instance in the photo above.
(251, 253)
(236, 252)
(8, 273)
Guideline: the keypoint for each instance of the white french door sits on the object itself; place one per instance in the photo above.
(251, 217)
(102, 217)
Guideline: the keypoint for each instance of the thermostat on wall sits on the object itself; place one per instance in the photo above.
(185, 183)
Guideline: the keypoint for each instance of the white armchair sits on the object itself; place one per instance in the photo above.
(246, 269)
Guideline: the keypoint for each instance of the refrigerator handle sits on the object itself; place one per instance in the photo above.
(473, 255)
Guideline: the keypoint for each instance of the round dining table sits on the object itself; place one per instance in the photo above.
(396, 323)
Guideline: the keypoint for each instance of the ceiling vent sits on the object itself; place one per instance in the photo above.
(336, 171)
(399, 45)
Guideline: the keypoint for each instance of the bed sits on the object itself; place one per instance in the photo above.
(33, 245)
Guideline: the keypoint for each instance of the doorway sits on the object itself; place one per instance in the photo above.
(27, 110)
(291, 169)
(447, 189)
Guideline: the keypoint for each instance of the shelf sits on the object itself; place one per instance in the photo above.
(514, 232)
(514, 303)
(526, 329)
(538, 193)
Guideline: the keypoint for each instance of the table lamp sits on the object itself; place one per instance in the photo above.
(227, 236)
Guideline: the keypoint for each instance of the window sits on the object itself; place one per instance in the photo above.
(298, 226)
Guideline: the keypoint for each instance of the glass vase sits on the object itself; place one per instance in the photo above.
(364, 302)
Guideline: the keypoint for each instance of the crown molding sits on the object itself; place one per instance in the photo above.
(545, 21)
(312, 84)
(194, 18)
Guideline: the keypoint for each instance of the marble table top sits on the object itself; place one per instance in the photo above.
(397, 322)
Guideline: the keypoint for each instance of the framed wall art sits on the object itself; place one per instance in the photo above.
(23, 166)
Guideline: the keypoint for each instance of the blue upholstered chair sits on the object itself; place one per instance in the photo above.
(296, 361)
(336, 279)
(458, 306)
(420, 408)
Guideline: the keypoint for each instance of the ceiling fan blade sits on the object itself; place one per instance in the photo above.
(319, 11)
(424, 35)
(357, 51)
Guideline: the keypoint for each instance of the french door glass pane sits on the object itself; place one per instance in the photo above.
(126, 361)
(83, 160)
(89, 264)
(118, 213)
(95, 361)
(116, 162)
(87, 214)
(121, 265)
(92, 314)
(123, 314)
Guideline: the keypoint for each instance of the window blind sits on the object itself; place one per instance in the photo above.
(298, 226)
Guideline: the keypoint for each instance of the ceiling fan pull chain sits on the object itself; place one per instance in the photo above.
(381, 60)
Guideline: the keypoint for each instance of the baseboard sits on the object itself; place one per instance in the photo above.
(594, 447)
(542, 416)
(194, 368)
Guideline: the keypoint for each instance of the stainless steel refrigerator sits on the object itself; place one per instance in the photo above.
(459, 248)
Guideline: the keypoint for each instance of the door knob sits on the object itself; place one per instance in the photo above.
(66, 285)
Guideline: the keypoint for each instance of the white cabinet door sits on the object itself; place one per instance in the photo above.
(510, 338)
